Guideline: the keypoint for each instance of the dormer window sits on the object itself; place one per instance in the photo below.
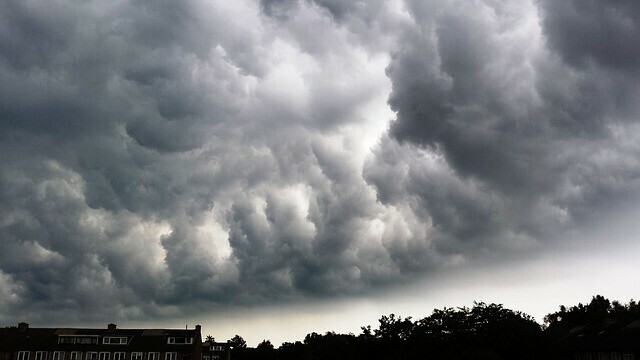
(179, 340)
(115, 340)
(86, 339)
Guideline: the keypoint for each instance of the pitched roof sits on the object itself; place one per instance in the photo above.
(12, 339)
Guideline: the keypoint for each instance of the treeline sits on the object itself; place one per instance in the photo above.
(484, 331)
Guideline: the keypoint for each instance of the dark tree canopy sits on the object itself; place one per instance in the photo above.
(483, 331)
(237, 342)
(598, 311)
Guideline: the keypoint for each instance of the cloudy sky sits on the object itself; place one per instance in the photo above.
(275, 167)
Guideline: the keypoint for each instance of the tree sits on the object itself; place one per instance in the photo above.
(596, 313)
(393, 327)
(265, 345)
(210, 338)
(237, 342)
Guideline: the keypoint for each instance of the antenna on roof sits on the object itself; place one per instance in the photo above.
(186, 327)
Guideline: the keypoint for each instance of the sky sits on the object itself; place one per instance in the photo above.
(270, 168)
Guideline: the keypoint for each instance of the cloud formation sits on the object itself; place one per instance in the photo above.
(168, 155)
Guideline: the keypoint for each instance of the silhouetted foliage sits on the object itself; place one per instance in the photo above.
(481, 332)
(239, 349)
(266, 351)
(598, 312)
(484, 331)
(237, 342)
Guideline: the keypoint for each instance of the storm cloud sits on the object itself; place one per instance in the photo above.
(160, 156)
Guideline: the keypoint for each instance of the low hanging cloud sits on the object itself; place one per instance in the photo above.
(212, 153)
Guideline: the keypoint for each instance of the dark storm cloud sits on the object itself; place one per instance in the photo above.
(526, 123)
(604, 32)
(162, 155)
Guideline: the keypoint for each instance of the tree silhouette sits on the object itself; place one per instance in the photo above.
(237, 342)
(265, 350)
(483, 331)
(598, 312)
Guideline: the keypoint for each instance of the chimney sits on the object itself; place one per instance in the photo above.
(23, 326)
(111, 327)
(198, 328)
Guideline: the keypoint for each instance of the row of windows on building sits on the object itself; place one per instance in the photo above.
(113, 340)
(604, 356)
(90, 355)
(212, 357)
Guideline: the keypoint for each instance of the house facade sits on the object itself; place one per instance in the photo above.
(216, 351)
(607, 341)
(110, 343)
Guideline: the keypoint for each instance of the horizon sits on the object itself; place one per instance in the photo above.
(271, 168)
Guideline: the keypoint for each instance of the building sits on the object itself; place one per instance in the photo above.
(216, 351)
(608, 341)
(110, 343)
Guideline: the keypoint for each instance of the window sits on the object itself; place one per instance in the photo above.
(65, 339)
(92, 356)
(628, 356)
(41, 355)
(205, 357)
(112, 340)
(136, 356)
(154, 356)
(23, 355)
(92, 340)
(104, 356)
(58, 355)
(170, 356)
(75, 355)
(118, 356)
(180, 340)
(216, 348)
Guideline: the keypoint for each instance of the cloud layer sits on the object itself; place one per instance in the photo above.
(157, 157)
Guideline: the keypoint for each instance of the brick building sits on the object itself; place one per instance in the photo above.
(110, 343)
(216, 351)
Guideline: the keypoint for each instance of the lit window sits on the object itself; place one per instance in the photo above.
(23, 355)
(170, 356)
(92, 356)
(41, 355)
(136, 356)
(112, 340)
(154, 356)
(118, 356)
(180, 340)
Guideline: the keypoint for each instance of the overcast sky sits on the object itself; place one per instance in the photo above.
(275, 167)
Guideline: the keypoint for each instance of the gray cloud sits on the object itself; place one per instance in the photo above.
(604, 32)
(162, 154)
(170, 154)
(515, 120)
